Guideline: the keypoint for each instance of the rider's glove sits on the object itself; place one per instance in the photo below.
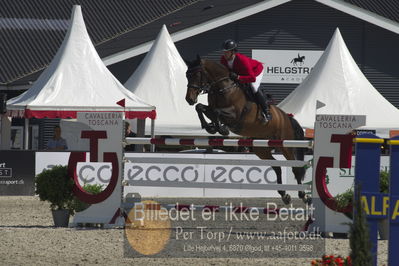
(234, 76)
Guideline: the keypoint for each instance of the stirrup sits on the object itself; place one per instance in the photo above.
(264, 118)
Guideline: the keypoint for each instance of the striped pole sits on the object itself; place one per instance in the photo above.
(223, 142)
(239, 142)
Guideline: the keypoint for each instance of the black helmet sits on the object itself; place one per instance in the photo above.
(229, 45)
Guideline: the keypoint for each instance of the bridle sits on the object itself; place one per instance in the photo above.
(204, 85)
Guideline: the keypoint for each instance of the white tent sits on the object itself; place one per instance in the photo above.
(77, 80)
(160, 80)
(337, 81)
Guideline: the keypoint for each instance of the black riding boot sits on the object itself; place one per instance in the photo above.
(260, 100)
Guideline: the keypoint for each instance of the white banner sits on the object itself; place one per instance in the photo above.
(286, 66)
(164, 173)
(339, 180)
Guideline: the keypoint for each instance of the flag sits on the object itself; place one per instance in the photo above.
(121, 102)
(319, 104)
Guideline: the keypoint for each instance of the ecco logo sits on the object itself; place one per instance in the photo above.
(218, 174)
(170, 173)
(239, 175)
(87, 173)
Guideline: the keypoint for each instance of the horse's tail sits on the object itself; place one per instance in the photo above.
(298, 135)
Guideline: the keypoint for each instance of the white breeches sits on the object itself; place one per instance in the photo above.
(255, 85)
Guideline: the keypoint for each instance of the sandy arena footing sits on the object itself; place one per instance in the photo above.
(28, 238)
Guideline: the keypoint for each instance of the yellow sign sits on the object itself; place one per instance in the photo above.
(372, 206)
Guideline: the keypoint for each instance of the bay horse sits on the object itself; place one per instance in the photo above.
(230, 108)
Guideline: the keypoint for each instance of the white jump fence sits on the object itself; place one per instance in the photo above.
(330, 132)
(202, 161)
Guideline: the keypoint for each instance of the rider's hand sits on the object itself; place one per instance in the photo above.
(234, 76)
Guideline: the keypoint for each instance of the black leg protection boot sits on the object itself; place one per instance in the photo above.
(260, 100)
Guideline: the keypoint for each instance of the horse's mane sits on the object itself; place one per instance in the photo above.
(216, 67)
(220, 66)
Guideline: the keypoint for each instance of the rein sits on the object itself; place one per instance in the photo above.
(224, 89)
(206, 87)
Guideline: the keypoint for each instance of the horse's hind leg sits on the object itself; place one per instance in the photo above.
(286, 198)
(299, 173)
(265, 154)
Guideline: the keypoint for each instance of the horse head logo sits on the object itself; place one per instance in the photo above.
(300, 59)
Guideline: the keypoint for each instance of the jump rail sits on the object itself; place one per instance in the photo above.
(283, 163)
(241, 142)
(274, 186)
(222, 142)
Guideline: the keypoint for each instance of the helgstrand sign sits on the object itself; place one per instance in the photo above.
(286, 66)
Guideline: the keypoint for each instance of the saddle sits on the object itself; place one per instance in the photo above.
(248, 91)
(251, 97)
(246, 87)
(262, 101)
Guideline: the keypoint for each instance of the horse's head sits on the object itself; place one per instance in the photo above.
(197, 80)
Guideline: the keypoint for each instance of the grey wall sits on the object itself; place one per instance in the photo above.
(299, 25)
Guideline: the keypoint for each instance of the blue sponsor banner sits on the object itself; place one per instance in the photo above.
(378, 205)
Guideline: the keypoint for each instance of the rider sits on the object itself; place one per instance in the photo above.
(245, 70)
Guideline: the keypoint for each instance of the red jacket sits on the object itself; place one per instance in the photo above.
(247, 69)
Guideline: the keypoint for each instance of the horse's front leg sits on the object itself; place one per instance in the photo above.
(214, 116)
(202, 109)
